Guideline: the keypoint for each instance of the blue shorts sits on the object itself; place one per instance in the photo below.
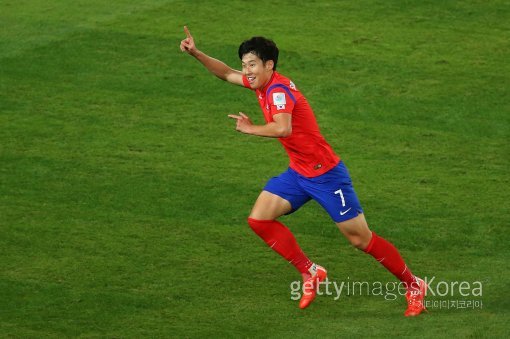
(332, 190)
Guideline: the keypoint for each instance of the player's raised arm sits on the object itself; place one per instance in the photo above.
(215, 66)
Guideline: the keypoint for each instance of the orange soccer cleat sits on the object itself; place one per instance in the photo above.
(415, 298)
(310, 287)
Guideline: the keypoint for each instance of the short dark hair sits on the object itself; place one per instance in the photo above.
(264, 48)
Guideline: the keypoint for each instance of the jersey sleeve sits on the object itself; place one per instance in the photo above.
(280, 99)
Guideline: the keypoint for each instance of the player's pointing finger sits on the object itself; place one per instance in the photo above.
(186, 30)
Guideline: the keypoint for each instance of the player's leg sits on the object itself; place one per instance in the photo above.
(262, 220)
(282, 196)
(357, 232)
(334, 191)
(359, 235)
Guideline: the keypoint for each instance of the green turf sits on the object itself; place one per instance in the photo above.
(124, 188)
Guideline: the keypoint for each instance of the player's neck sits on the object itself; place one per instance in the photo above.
(269, 80)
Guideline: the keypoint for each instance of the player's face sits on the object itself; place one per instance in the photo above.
(257, 72)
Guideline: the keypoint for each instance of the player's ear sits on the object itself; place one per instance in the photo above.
(269, 65)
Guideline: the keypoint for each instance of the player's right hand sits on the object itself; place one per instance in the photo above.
(188, 44)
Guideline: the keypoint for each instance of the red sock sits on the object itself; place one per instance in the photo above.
(387, 254)
(282, 241)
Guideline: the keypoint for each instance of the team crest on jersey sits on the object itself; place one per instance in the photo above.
(279, 98)
(280, 107)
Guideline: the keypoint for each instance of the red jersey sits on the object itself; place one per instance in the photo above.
(309, 153)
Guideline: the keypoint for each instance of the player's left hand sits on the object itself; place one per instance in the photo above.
(243, 123)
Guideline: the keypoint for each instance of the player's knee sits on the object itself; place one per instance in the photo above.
(360, 242)
(357, 242)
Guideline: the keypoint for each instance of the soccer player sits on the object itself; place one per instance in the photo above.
(315, 170)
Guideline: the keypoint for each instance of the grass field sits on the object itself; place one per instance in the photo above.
(124, 188)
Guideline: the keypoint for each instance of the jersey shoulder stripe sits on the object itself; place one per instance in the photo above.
(282, 86)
